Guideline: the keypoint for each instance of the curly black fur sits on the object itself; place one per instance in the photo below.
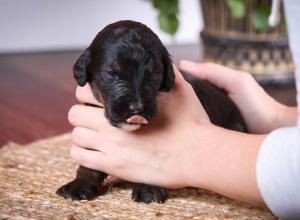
(127, 66)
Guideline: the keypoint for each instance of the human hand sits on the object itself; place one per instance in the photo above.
(179, 148)
(260, 111)
(157, 154)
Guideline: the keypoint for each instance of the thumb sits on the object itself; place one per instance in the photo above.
(221, 76)
(178, 75)
(179, 80)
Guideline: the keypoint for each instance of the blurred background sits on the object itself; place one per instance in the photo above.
(41, 40)
(34, 26)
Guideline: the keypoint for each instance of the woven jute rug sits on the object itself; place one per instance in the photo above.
(30, 175)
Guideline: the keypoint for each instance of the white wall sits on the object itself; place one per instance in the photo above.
(43, 25)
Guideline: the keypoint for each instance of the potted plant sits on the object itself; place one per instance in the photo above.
(237, 34)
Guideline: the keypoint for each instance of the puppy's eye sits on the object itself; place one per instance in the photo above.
(112, 74)
(155, 76)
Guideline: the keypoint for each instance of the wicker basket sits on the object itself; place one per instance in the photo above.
(238, 44)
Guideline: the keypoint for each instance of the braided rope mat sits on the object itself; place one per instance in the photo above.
(29, 177)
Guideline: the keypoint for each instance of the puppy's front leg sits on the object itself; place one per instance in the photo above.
(86, 185)
(147, 193)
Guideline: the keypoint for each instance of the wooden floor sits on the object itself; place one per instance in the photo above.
(37, 90)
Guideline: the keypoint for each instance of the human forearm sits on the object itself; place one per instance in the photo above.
(227, 164)
(287, 117)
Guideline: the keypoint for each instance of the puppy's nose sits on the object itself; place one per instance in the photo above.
(136, 108)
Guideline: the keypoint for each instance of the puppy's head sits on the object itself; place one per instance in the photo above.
(127, 66)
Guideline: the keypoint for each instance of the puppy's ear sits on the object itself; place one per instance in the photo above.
(168, 75)
(80, 67)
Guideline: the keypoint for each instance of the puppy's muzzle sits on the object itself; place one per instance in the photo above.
(136, 108)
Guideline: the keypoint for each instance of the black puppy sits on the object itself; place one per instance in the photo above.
(127, 66)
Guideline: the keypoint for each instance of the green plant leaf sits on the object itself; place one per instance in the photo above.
(168, 23)
(260, 16)
(168, 11)
(237, 8)
(166, 6)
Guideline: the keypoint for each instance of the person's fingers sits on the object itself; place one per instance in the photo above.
(86, 138)
(223, 77)
(85, 95)
(89, 158)
(98, 140)
(115, 161)
(86, 116)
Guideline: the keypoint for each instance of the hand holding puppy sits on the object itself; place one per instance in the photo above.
(179, 148)
(125, 154)
(260, 111)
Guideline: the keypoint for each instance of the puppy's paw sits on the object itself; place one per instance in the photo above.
(147, 194)
(80, 190)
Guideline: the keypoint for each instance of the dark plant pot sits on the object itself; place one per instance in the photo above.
(238, 44)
